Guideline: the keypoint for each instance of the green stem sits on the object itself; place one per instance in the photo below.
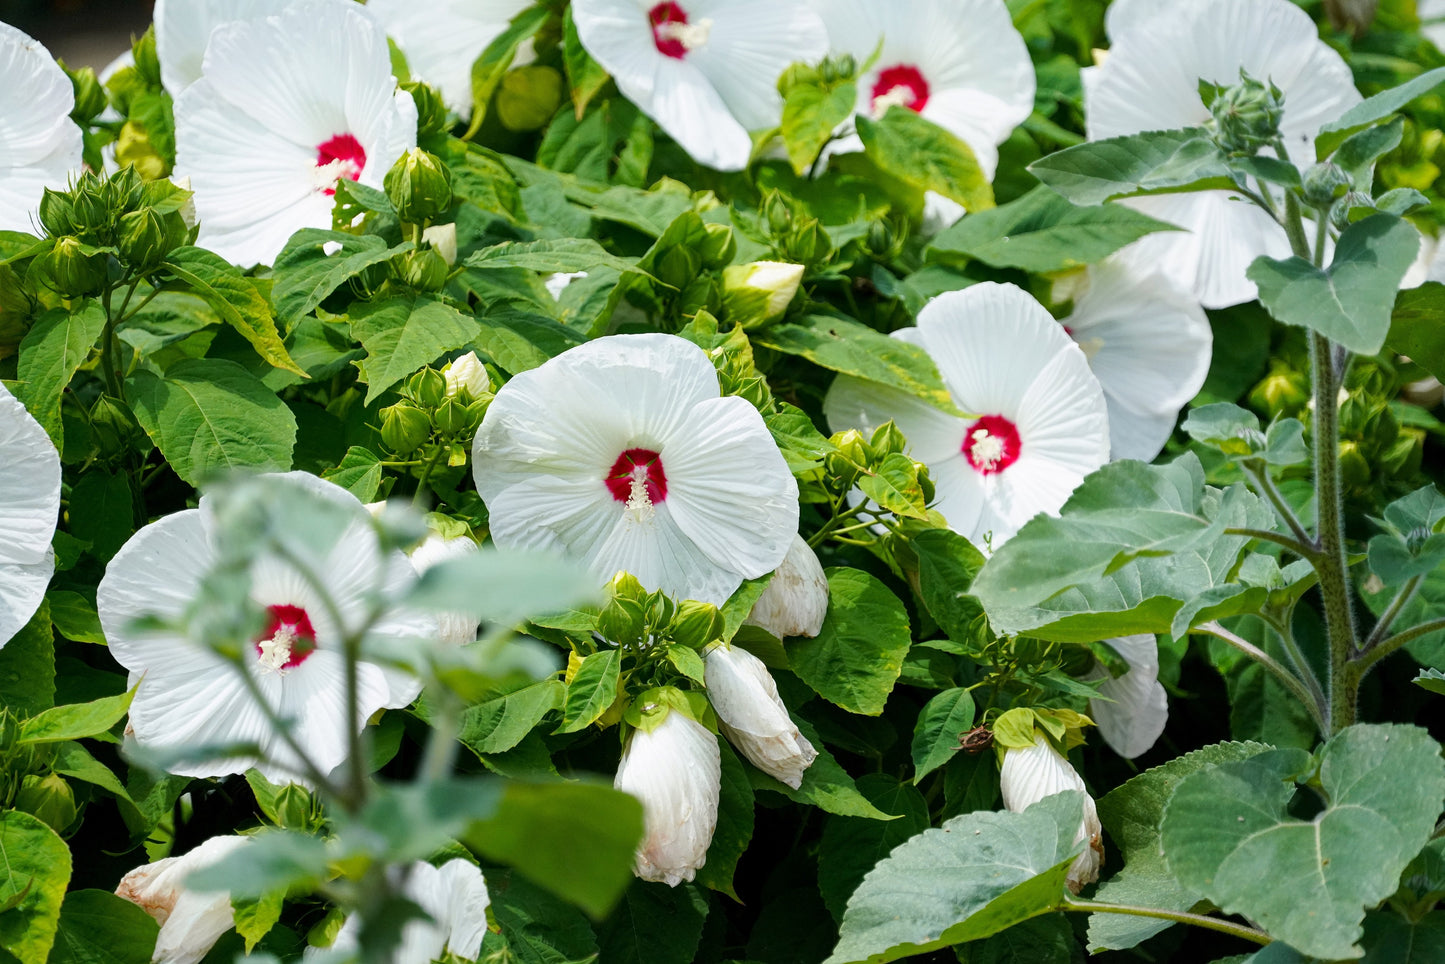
(1296, 656)
(1270, 491)
(1388, 646)
(838, 520)
(109, 349)
(420, 498)
(1391, 613)
(1179, 917)
(1311, 697)
(1331, 564)
(1294, 227)
(1279, 539)
(1322, 232)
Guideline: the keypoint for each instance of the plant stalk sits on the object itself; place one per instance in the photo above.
(1306, 690)
(1180, 917)
(1330, 564)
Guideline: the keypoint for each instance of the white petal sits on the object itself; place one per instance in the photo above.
(183, 27)
(750, 43)
(1029, 775)
(191, 921)
(1135, 435)
(796, 600)
(932, 435)
(29, 486)
(40, 146)
(22, 587)
(676, 773)
(1140, 708)
(753, 717)
(456, 628)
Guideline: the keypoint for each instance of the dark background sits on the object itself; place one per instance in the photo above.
(83, 33)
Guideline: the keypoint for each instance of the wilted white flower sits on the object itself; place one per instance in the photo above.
(191, 921)
(759, 292)
(1140, 707)
(40, 146)
(675, 770)
(467, 374)
(796, 600)
(29, 508)
(1031, 773)
(753, 717)
(454, 896)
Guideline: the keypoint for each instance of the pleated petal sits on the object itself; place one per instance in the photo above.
(1135, 718)
(29, 486)
(751, 42)
(753, 717)
(183, 28)
(40, 146)
(675, 771)
(1030, 774)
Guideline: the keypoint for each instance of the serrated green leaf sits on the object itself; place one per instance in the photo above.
(1148, 163)
(562, 254)
(908, 146)
(1415, 328)
(856, 657)
(235, 298)
(894, 486)
(498, 725)
(34, 873)
(592, 690)
(402, 334)
(585, 76)
(504, 587)
(539, 928)
(1430, 679)
(947, 565)
(942, 721)
(812, 110)
(50, 353)
(306, 275)
(359, 473)
(254, 917)
(826, 785)
(654, 924)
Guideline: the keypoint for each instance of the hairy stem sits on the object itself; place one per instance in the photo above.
(1270, 491)
(1391, 613)
(1181, 917)
(1387, 646)
(1310, 696)
(1279, 539)
(1331, 564)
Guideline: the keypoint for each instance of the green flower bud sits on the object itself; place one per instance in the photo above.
(624, 585)
(69, 270)
(777, 213)
(677, 266)
(142, 238)
(1354, 466)
(659, 609)
(427, 387)
(1340, 214)
(853, 447)
(622, 620)
(837, 69)
(294, 807)
(89, 95)
(419, 186)
(48, 799)
(147, 64)
(452, 418)
(1324, 183)
(1246, 116)
(1281, 392)
(134, 148)
(720, 247)
(89, 212)
(431, 110)
(404, 428)
(423, 270)
(112, 426)
(808, 243)
(759, 293)
(696, 624)
(57, 213)
(529, 97)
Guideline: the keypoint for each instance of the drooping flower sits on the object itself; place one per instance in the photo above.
(191, 921)
(705, 70)
(620, 452)
(285, 107)
(1150, 81)
(796, 600)
(454, 896)
(190, 696)
(29, 508)
(455, 628)
(675, 770)
(441, 40)
(1139, 709)
(1149, 344)
(183, 28)
(40, 146)
(1036, 425)
(752, 715)
(1029, 774)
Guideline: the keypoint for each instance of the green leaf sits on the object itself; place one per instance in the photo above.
(947, 565)
(74, 722)
(843, 345)
(826, 785)
(851, 846)
(1043, 232)
(504, 587)
(235, 298)
(209, 416)
(74, 616)
(74, 761)
(34, 873)
(894, 486)
(1373, 109)
(585, 76)
(102, 511)
(943, 720)
(1411, 546)
(562, 254)
(1348, 302)
(973, 877)
(1131, 813)
(734, 826)
(50, 353)
(306, 275)
(538, 928)
(498, 725)
(1430, 679)
(654, 924)
(254, 918)
(913, 149)
(1039, 940)
(97, 927)
(1149, 163)
(592, 690)
(1358, 154)
(27, 666)
(856, 657)
(1390, 939)
(359, 473)
(811, 112)
(1227, 833)
(402, 334)
(1415, 328)
(518, 341)
(492, 64)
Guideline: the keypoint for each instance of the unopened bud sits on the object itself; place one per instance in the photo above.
(677, 266)
(293, 807)
(695, 624)
(134, 148)
(808, 243)
(1324, 183)
(147, 64)
(419, 186)
(443, 240)
(89, 213)
(777, 213)
(427, 387)
(89, 95)
(466, 378)
(1281, 392)
(72, 272)
(1354, 467)
(622, 619)
(424, 270)
(112, 426)
(57, 213)
(49, 799)
(796, 599)
(404, 428)
(142, 239)
(1247, 115)
(528, 97)
(720, 247)
(759, 293)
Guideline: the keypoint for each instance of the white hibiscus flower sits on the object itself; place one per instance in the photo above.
(1135, 707)
(183, 28)
(191, 696)
(40, 146)
(1150, 81)
(620, 452)
(1037, 423)
(752, 715)
(796, 600)
(454, 896)
(1149, 344)
(1029, 774)
(705, 70)
(191, 921)
(29, 507)
(286, 107)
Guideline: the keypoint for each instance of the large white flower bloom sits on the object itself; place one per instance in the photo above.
(1149, 344)
(796, 600)
(620, 452)
(29, 507)
(183, 28)
(705, 70)
(675, 770)
(752, 715)
(285, 107)
(1150, 81)
(190, 696)
(1139, 709)
(40, 146)
(442, 39)
(454, 896)
(191, 921)
(1028, 775)
(1037, 425)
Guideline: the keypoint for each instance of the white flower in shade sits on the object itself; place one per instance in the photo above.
(753, 717)
(40, 146)
(183, 28)
(675, 770)
(442, 39)
(190, 696)
(796, 599)
(1036, 425)
(1028, 775)
(1150, 81)
(29, 508)
(621, 453)
(454, 896)
(467, 374)
(456, 628)
(1149, 344)
(286, 107)
(1139, 709)
(705, 70)
(191, 921)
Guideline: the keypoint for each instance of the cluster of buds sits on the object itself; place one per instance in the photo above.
(147, 136)
(26, 782)
(1245, 116)
(795, 235)
(653, 622)
(686, 260)
(855, 457)
(439, 410)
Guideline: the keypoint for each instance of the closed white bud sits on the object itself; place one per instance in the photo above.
(753, 718)
(796, 599)
(191, 921)
(675, 770)
(1135, 707)
(759, 292)
(443, 239)
(1032, 773)
(468, 374)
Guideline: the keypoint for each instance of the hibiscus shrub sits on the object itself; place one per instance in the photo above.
(758, 481)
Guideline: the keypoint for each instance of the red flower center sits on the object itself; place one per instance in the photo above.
(991, 444)
(341, 156)
(289, 638)
(637, 474)
(901, 84)
(669, 43)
